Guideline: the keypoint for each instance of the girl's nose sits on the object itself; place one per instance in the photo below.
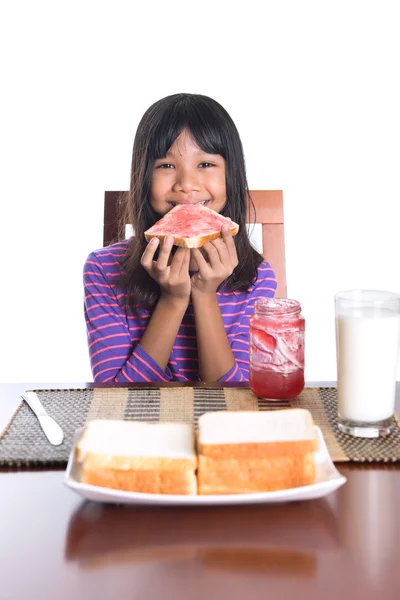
(186, 181)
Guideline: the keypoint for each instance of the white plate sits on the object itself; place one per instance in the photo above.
(328, 479)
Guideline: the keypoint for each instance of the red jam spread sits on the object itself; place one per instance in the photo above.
(277, 349)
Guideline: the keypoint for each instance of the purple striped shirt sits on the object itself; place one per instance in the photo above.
(114, 333)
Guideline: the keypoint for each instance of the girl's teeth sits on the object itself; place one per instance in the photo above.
(173, 204)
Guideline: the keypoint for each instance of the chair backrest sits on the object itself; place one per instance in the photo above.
(267, 235)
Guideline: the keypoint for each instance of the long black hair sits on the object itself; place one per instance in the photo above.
(214, 131)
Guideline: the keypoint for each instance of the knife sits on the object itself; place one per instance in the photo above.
(51, 429)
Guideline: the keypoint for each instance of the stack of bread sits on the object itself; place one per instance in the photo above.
(245, 452)
(238, 452)
(154, 458)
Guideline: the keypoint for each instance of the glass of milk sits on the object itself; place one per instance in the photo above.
(367, 347)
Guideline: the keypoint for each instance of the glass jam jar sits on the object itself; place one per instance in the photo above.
(277, 348)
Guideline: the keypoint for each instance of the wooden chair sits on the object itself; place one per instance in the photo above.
(268, 228)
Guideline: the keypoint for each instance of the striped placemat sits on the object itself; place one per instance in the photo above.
(24, 445)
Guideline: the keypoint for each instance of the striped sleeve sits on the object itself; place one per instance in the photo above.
(113, 355)
(265, 287)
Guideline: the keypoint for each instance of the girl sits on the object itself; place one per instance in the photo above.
(158, 313)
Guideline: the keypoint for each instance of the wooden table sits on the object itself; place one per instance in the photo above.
(54, 545)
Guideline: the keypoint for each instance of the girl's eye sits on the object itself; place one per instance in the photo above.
(202, 165)
(165, 166)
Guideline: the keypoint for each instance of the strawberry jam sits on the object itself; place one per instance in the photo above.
(277, 348)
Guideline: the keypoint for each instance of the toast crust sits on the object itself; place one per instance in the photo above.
(233, 476)
(258, 450)
(143, 481)
(192, 242)
(141, 463)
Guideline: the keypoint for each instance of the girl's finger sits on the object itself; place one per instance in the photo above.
(178, 260)
(165, 252)
(195, 265)
(201, 261)
(230, 244)
(185, 262)
(148, 254)
(217, 253)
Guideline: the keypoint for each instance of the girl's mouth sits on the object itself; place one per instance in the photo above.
(203, 202)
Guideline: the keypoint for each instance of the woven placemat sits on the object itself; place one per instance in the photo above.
(24, 445)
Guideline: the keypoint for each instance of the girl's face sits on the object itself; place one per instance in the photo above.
(187, 175)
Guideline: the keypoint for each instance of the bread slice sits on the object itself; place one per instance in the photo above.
(251, 434)
(157, 458)
(244, 476)
(245, 452)
(191, 225)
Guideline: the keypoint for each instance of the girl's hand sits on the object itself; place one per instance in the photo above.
(222, 260)
(171, 275)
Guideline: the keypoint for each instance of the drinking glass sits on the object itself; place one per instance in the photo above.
(367, 349)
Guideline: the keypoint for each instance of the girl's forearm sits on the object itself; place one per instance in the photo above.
(161, 332)
(214, 351)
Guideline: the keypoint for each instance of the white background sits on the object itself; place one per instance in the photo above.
(313, 87)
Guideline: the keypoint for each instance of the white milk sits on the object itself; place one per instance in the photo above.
(367, 350)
